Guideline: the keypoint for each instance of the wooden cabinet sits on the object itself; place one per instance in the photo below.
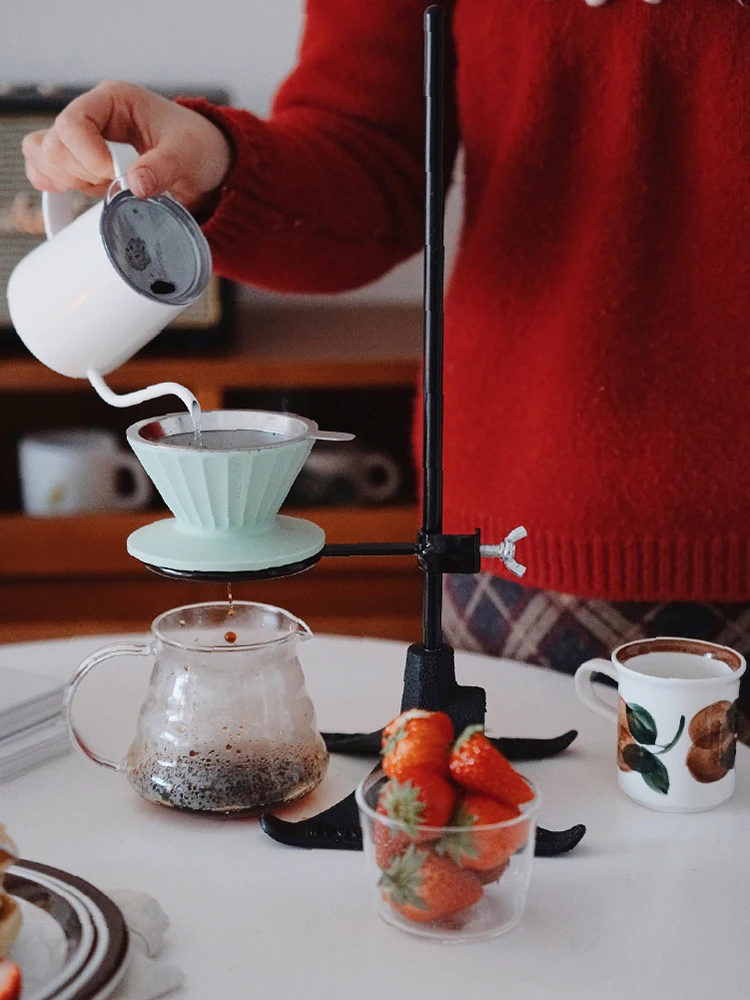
(63, 576)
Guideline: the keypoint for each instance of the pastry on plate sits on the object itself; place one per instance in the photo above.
(10, 914)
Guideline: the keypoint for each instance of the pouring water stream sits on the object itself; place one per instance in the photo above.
(150, 392)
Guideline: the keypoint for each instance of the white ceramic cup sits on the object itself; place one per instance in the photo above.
(73, 471)
(334, 474)
(676, 719)
(67, 301)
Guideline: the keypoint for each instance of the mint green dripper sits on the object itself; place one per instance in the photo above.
(225, 500)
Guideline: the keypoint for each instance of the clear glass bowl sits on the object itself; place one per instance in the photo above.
(430, 884)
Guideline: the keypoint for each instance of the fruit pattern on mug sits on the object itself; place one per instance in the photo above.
(713, 735)
(428, 874)
(636, 731)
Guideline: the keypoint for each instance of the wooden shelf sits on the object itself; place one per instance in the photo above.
(69, 576)
(66, 576)
(94, 544)
(288, 348)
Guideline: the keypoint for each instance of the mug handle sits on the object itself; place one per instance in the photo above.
(105, 653)
(58, 208)
(142, 492)
(383, 465)
(585, 689)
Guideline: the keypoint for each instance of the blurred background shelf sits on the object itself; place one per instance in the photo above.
(274, 348)
(349, 368)
(62, 575)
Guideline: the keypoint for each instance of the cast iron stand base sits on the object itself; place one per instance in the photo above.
(429, 682)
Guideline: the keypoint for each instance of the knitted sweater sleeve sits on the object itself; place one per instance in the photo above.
(327, 194)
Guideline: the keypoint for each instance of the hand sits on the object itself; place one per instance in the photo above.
(181, 151)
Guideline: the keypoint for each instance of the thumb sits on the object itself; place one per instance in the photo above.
(155, 172)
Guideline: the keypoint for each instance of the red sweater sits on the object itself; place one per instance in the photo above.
(597, 340)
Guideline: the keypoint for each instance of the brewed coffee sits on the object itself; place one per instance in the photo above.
(229, 780)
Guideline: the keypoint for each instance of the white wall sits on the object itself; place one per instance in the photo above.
(244, 46)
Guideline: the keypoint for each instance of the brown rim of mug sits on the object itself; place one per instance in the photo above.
(673, 644)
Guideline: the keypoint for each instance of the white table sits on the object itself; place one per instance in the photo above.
(649, 905)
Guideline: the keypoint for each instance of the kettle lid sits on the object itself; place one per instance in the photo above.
(157, 247)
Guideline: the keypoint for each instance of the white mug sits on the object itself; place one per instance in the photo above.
(340, 475)
(73, 471)
(96, 291)
(676, 719)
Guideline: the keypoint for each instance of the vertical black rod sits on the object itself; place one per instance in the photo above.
(434, 260)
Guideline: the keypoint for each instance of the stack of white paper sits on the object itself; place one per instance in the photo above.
(32, 730)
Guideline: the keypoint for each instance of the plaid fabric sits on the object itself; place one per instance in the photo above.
(487, 614)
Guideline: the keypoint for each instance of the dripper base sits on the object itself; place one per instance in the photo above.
(290, 541)
(236, 575)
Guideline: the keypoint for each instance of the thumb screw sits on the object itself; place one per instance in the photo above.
(506, 550)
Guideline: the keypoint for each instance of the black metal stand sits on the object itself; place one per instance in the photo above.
(429, 678)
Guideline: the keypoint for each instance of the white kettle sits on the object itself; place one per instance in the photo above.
(106, 283)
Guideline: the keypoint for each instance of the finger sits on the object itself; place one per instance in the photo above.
(31, 143)
(64, 162)
(82, 124)
(156, 171)
(38, 168)
(41, 181)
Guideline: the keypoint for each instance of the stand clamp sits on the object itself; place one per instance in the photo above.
(438, 553)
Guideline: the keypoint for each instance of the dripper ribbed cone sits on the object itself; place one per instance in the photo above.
(229, 490)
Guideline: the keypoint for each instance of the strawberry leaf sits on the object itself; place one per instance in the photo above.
(403, 878)
(392, 742)
(402, 803)
(462, 843)
(467, 734)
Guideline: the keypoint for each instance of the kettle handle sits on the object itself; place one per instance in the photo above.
(59, 208)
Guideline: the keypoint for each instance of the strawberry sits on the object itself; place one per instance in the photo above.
(483, 850)
(10, 980)
(419, 798)
(490, 875)
(477, 765)
(422, 799)
(417, 738)
(438, 720)
(389, 843)
(423, 886)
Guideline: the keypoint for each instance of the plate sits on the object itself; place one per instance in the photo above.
(74, 942)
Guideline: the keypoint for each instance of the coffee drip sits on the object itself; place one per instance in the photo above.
(230, 636)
